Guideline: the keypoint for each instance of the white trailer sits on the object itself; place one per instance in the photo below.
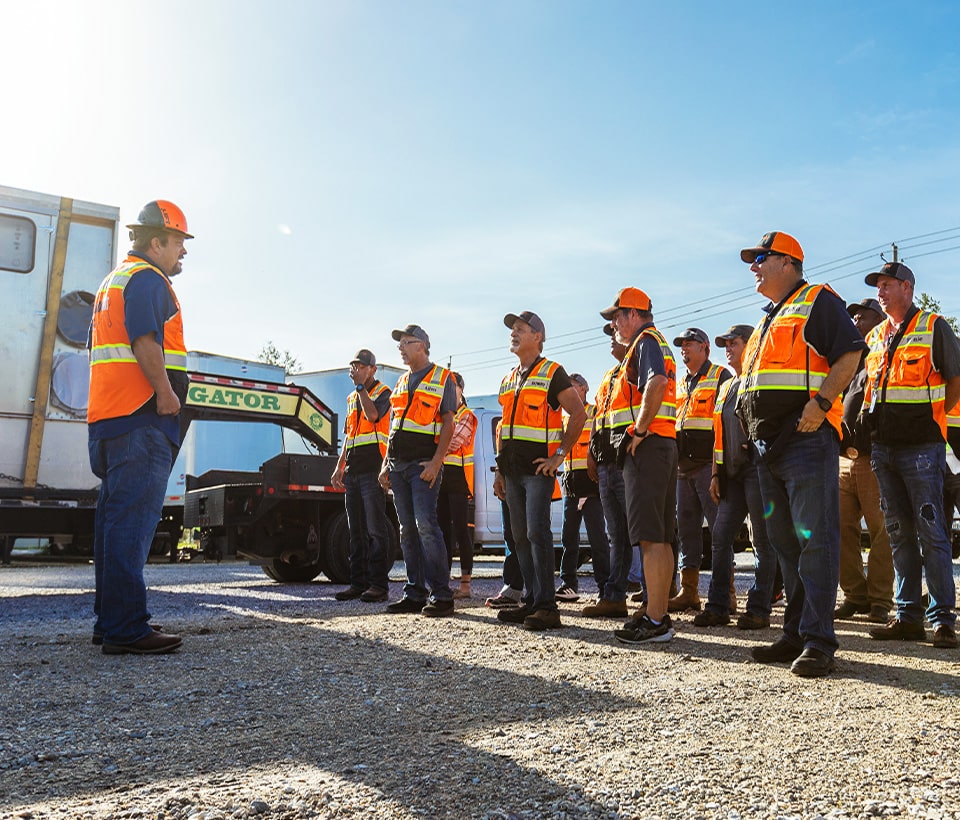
(54, 252)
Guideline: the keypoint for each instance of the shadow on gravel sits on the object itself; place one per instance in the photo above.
(370, 711)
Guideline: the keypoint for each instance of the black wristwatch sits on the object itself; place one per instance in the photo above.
(825, 404)
(361, 388)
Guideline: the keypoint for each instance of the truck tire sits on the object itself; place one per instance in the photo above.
(336, 549)
(291, 573)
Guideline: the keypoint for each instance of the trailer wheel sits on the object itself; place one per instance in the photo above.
(336, 549)
(291, 573)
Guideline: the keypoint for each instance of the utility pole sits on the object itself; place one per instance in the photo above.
(894, 244)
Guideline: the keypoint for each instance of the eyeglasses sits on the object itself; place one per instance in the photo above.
(406, 342)
(760, 258)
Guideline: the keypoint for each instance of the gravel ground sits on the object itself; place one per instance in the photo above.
(284, 703)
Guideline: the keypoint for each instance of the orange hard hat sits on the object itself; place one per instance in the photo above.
(162, 214)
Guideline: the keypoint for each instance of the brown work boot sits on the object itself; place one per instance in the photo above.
(605, 609)
(689, 597)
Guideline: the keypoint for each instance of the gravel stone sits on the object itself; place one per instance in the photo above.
(285, 703)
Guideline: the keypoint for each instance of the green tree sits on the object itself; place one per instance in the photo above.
(271, 354)
(926, 302)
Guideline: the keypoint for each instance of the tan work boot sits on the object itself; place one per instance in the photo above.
(689, 597)
(605, 609)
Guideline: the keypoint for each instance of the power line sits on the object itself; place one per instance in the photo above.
(728, 300)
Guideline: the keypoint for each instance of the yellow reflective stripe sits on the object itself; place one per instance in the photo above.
(175, 359)
(456, 460)
(372, 437)
(410, 426)
(697, 423)
(782, 380)
(916, 395)
(539, 434)
(112, 353)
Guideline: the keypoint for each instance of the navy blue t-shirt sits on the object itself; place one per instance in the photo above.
(147, 305)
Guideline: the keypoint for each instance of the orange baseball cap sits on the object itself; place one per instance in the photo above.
(627, 298)
(776, 241)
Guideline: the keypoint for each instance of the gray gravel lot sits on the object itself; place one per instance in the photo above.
(284, 703)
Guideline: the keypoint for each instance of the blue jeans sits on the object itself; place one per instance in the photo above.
(591, 513)
(635, 574)
(911, 496)
(424, 550)
(741, 496)
(133, 470)
(512, 576)
(693, 505)
(800, 486)
(370, 558)
(528, 497)
(613, 496)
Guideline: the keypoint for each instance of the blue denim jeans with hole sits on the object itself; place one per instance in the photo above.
(800, 486)
(589, 510)
(911, 496)
(133, 470)
(528, 498)
(365, 503)
(421, 539)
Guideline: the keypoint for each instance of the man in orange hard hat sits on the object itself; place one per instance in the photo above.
(138, 382)
(796, 364)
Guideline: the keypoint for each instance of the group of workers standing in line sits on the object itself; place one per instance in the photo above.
(828, 412)
(825, 413)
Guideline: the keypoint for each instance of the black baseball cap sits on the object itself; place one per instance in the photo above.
(870, 304)
(692, 334)
(364, 356)
(412, 330)
(530, 318)
(895, 269)
(737, 331)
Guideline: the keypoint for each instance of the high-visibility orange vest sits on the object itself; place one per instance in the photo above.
(419, 413)
(118, 386)
(909, 382)
(463, 457)
(626, 397)
(603, 396)
(721, 397)
(359, 430)
(527, 415)
(780, 361)
(695, 410)
(576, 459)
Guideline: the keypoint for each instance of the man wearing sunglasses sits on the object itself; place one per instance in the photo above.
(796, 365)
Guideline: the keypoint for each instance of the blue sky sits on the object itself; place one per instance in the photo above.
(349, 167)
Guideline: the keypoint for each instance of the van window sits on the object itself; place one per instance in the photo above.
(18, 239)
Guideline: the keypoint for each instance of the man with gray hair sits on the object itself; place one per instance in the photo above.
(421, 428)
(532, 444)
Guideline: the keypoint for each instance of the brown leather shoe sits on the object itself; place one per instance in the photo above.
(605, 609)
(97, 639)
(156, 644)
